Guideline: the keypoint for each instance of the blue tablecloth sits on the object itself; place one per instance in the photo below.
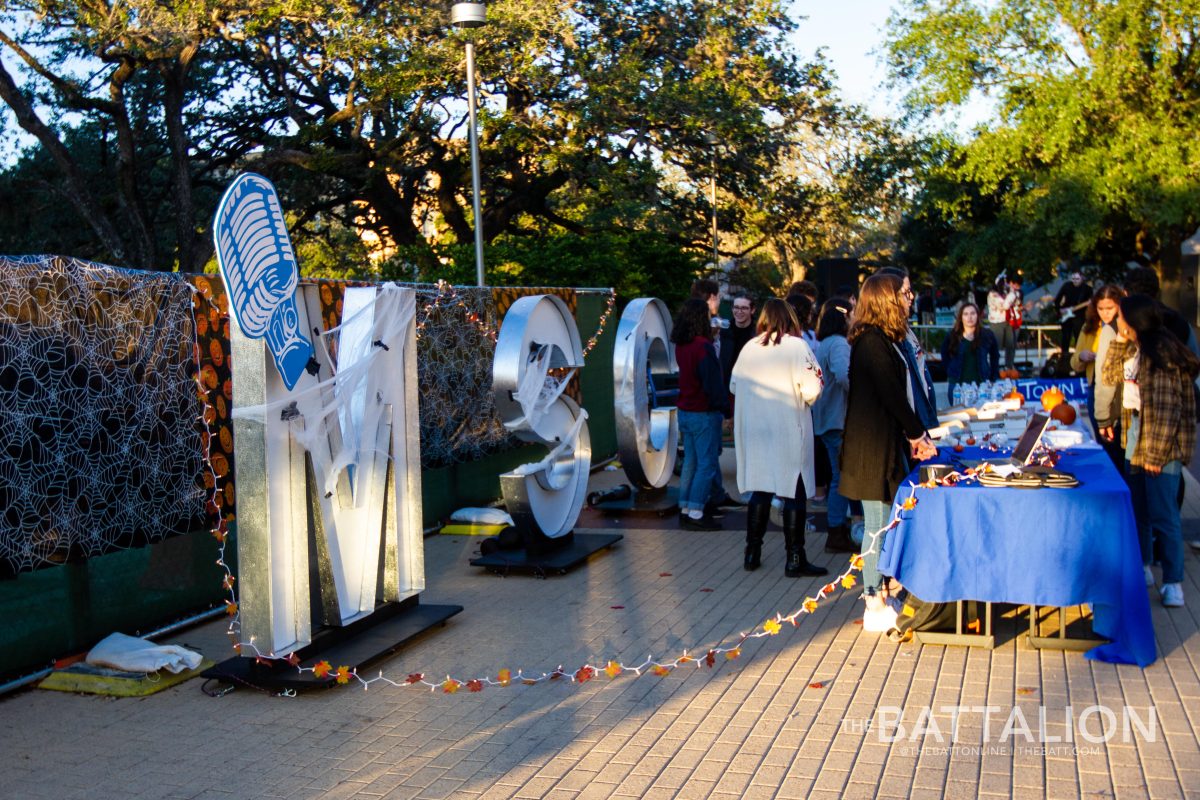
(1054, 547)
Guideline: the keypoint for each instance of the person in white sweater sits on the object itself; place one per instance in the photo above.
(775, 381)
(1003, 310)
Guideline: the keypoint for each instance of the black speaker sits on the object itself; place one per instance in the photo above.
(833, 274)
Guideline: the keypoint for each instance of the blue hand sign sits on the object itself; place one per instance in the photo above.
(259, 268)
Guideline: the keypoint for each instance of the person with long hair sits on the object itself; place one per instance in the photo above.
(800, 298)
(970, 353)
(802, 305)
(883, 432)
(1158, 412)
(775, 381)
(1091, 351)
(923, 392)
(703, 402)
(1004, 308)
(829, 413)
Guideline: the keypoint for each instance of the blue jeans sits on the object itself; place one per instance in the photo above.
(1155, 505)
(718, 483)
(836, 505)
(875, 516)
(701, 432)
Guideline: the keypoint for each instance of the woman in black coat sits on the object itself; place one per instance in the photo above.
(883, 433)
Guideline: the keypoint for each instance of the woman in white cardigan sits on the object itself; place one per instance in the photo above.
(775, 381)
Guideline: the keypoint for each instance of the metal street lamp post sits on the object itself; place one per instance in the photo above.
(712, 140)
(472, 15)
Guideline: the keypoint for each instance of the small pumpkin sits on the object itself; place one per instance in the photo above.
(1015, 395)
(1052, 398)
(1064, 413)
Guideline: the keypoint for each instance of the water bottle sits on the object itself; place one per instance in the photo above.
(985, 392)
(957, 399)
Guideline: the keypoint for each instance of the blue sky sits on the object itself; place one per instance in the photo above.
(849, 31)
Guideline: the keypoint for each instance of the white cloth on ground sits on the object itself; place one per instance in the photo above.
(131, 654)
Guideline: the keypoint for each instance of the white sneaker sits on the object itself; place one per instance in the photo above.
(1172, 595)
(880, 620)
(1149, 575)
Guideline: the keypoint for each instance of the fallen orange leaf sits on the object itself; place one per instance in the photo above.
(322, 669)
(343, 675)
(613, 669)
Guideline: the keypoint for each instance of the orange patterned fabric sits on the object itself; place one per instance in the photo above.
(210, 307)
(504, 296)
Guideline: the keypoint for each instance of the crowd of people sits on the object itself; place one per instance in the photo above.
(834, 402)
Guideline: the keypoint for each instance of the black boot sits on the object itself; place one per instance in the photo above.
(839, 540)
(793, 538)
(757, 515)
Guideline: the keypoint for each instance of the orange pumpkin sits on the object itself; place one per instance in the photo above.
(1015, 395)
(1064, 413)
(1052, 398)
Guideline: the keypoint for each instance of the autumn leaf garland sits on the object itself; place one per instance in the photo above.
(614, 669)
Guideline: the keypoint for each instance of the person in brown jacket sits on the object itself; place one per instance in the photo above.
(1158, 434)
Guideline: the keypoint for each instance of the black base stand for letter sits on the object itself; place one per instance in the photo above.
(543, 555)
(356, 645)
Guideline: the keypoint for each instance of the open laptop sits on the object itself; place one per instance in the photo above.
(1023, 451)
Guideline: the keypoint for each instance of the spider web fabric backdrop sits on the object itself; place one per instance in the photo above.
(100, 449)
(116, 400)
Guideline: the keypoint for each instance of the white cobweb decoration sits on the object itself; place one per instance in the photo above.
(99, 444)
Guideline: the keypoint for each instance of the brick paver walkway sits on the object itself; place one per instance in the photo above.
(784, 720)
